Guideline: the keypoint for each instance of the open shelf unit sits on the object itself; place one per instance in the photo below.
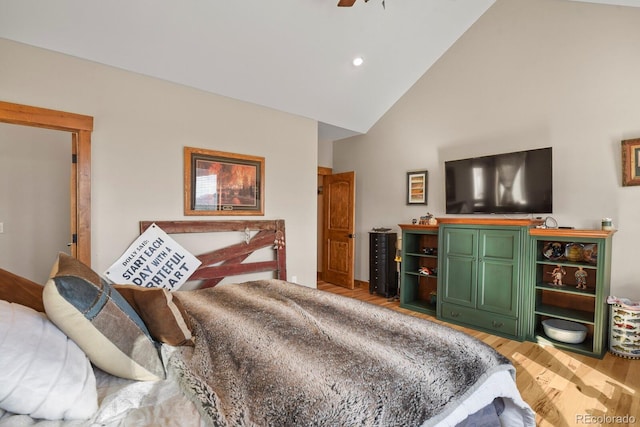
(570, 278)
(419, 268)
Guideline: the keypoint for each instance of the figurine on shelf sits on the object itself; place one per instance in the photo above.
(581, 278)
(428, 271)
(428, 219)
(430, 251)
(558, 273)
(425, 271)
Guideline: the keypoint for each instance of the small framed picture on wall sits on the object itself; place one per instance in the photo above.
(417, 186)
(631, 162)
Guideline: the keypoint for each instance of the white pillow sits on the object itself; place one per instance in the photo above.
(44, 374)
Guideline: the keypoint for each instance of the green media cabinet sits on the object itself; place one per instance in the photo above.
(495, 275)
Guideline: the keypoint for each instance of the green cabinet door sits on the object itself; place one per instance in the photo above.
(499, 270)
(479, 277)
(458, 270)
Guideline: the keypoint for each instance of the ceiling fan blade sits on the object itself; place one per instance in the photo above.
(346, 3)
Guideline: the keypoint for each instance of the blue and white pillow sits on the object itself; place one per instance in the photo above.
(100, 321)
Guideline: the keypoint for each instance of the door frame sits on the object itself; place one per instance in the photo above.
(80, 127)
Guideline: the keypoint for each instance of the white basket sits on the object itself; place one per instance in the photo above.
(624, 337)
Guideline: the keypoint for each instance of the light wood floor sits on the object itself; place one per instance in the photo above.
(563, 388)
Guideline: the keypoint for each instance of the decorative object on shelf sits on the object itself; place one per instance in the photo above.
(581, 278)
(574, 252)
(553, 251)
(550, 222)
(219, 183)
(430, 251)
(565, 331)
(558, 273)
(428, 271)
(607, 224)
(428, 219)
(417, 184)
(631, 162)
(590, 253)
(625, 327)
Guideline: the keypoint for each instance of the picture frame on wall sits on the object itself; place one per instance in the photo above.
(631, 162)
(417, 187)
(221, 183)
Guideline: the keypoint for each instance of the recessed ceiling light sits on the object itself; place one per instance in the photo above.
(358, 61)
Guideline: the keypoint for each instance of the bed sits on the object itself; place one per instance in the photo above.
(257, 352)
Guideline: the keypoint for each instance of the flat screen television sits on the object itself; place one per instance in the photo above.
(519, 182)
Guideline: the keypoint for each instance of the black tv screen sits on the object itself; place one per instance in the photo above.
(518, 182)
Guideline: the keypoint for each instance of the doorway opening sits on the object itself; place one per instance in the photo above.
(80, 128)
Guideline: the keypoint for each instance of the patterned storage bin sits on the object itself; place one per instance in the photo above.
(624, 337)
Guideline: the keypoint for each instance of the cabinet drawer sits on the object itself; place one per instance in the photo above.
(479, 319)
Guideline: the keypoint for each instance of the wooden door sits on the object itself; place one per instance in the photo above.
(339, 229)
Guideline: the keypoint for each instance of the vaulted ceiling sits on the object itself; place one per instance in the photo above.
(291, 55)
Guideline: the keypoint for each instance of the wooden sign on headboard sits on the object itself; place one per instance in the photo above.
(228, 261)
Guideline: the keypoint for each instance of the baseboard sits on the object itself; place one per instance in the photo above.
(361, 284)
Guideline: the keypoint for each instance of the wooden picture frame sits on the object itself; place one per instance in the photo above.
(417, 187)
(631, 162)
(220, 183)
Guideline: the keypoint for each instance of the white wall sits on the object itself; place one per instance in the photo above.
(141, 125)
(528, 74)
(325, 153)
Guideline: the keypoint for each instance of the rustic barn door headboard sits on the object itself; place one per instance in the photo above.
(228, 261)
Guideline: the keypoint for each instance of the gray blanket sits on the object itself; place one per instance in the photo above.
(279, 354)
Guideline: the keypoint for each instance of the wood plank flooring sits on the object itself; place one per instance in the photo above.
(563, 388)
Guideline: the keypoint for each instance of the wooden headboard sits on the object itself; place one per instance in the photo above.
(229, 259)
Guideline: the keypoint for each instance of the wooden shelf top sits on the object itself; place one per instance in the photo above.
(417, 227)
(531, 223)
(523, 222)
(571, 232)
